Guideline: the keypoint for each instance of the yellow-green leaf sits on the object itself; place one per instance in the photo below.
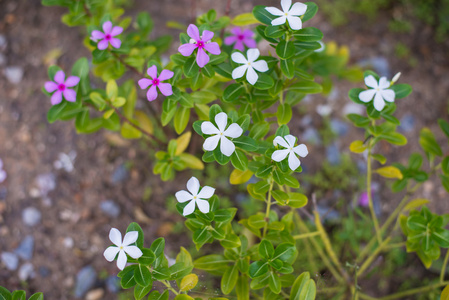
(357, 147)
(191, 161)
(244, 20)
(445, 293)
(111, 89)
(129, 132)
(118, 102)
(183, 142)
(108, 114)
(238, 177)
(188, 282)
(415, 204)
(144, 121)
(183, 297)
(389, 172)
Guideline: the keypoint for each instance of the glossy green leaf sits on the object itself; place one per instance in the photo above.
(229, 279)
(285, 49)
(428, 142)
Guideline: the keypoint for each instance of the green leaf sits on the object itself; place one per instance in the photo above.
(233, 92)
(284, 113)
(445, 165)
(282, 131)
(186, 100)
(242, 288)
(18, 295)
(258, 269)
(211, 262)
(428, 142)
(266, 249)
(214, 110)
(297, 200)
(239, 160)
(135, 227)
(274, 282)
(147, 257)
(245, 143)
(142, 291)
(259, 130)
(401, 90)
(111, 89)
(181, 120)
(394, 138)
(444, 125)
(229, 279)
(158, 246)
(36, 296)
(306, 87)
(285, 49)
(264, 82)
(230, 241)
(244, 20)
(155, 295)
(441, 236)
(179, 270)
(311, 11)
(274, 31)
(308, 34)
(280, 197)
(284, 252)
(144, 23)
(188, 282)
(191, 68)
(359, 121)
(288, 68)
(262, 15)
(417, 223)
(257, 221)
(389, 172)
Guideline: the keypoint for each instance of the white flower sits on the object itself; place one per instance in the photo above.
(379, 91)
(248, 65)
(195, 196)
(396, 77)
(290, 13)
(288, 142)
(220, 134)
(2, 172)
(122, 248)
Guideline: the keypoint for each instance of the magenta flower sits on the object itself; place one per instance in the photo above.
(108, 36)
(240, 39)
(363, 199)
(155, 81)
(202, 43)
(60, 85)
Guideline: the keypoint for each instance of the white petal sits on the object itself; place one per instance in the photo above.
(133, 251)
(209, 128)
(301, 150)
(298, 9)
(203, 205)
(253, 54)
(395, 78)
(260, 65)
(384, 83)
(279, 155)
(293, 161)
(367, 96)
(193, 185)
(233, 131)
(279, 21)
(190, 208)
(281, 141)
(226, 146)
(388, 95)
(211, 143)
(251, 76)
(238, 58)
(110, 253)
(291, 140)
(130, 237)
(221, 119)
(379, 102)
(183, 196)
(121, 260)
(294, 22)
(239, 71)
(286, 4)
(274, 11)
(115, 236)
(371, 81)
(206, 192)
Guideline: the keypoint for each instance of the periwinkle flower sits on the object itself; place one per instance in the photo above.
(241, 38)
(156, 82)
(107, 36)
(379, 91)
(122, 248)
(60, 87)
(288, 13)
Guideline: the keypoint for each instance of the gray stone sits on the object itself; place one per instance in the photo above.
(3, 42)
(327, 213)
(379, 64)
(110, 208)
(44, 271)
(120, 174)
(10, 260)
(85, 280)
(26, 271)
(46, 183)
(25, 249)
(312, 136)
(333, 154)
(407, 123)
(31, 216)
(14, 74)
(3, 193)
(2, 59)
(339, 127)
(113, 284)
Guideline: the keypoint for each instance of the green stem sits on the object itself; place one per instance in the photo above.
(395, 245)
(443, 270)
(267, 212)
(370, 259)
(370, 200)
(420, 290)
(169, 287)
(306, 235)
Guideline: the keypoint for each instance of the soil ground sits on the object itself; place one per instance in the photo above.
(73, 230)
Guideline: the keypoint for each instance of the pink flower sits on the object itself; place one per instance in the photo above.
(155, 81)
(200, 42)
(363, 199)
(240, 39)
(60, 85)
(108, 36)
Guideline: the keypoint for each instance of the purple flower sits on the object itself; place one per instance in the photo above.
(60, 85)
(2, 172)
(155, 81)
(108, 36)
(200, 42)
(240, 39)
(363, 199)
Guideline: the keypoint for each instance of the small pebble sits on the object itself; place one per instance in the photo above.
(120, 174)
(339, 127)
(113, 284)
(31, 216)
(312, 136)
(407, 123)
(379, 64)
(110, 208)
(46, 182)
(10, 260)
(85, 280)
(14, 74)
(333, 154)
(25, 249)
(26, 271)
(44, 271)
(95, 294)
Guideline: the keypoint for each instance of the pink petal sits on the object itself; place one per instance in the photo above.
(250, 43)
(212, 48)
(97, 35)
(59, 77)
(165, 89)
(236, 31)
(230, 40)
(72, 81)
(116, 43)
(70, 95)
(144, 83)
(103, 44)
(56, 98)
(248, 33)
(207, 35)
(107, 26)
(239, 46)
(187, 49)
(166, 74)
(152, 72)
(202, 58)
(50, 86)
(193, 32)
(152, 93)
(116, 30)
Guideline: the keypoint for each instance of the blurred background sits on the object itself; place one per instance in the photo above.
(63, 192)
